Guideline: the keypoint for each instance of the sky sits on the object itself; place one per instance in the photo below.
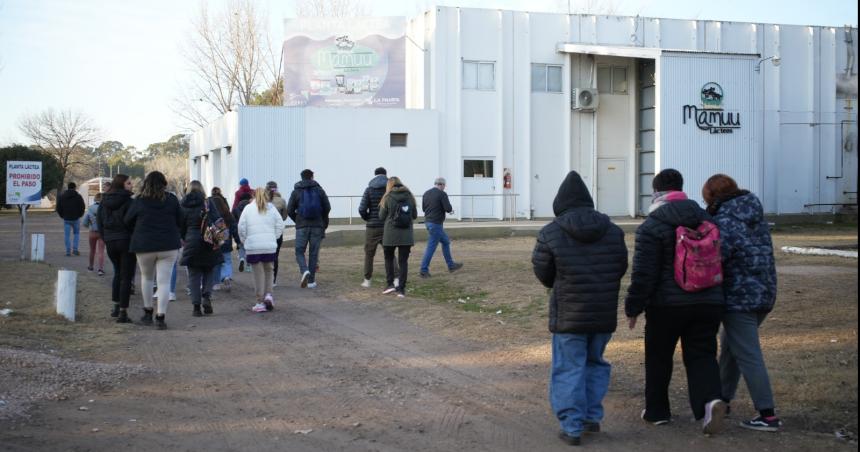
(120, 62)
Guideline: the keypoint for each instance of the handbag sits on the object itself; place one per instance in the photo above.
(214, 233)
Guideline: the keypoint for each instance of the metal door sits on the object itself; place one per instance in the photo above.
(612, 186)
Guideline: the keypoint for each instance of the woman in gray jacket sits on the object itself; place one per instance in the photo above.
(398, 208)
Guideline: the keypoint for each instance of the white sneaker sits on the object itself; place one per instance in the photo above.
(715, 412)
(366, 283)
(259, 307)
(401, 295)
(216, 287)
(312, 285)
(396, 282)
(171, 296)
(305, 276)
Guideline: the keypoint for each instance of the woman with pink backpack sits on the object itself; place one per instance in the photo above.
(682, 300)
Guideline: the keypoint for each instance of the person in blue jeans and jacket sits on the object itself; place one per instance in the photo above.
(749, 286)
(435, 205)
(308, 207)
(581, 255)
(70, 207)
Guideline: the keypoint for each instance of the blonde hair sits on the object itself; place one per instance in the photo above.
(261, 198)
(393, 181)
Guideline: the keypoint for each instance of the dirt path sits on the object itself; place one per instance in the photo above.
(326, 374)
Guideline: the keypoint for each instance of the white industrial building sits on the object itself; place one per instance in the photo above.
(491, 92)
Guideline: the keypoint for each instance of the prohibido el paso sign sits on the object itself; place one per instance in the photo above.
(711, 116)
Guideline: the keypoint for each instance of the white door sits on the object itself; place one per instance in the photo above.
(478, 179)
(612, 186)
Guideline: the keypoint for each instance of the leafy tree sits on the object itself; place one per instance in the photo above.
(52, 175)
(175, 146)
(274, 95)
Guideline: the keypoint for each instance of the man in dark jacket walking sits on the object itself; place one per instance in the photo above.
(581, 255)
(368, 209)
(435, 205)
(308, 208)
(672, 313)
(71, 207)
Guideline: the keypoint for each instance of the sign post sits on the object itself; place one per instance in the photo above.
(23, 188)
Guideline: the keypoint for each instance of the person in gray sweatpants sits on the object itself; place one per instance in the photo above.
(749, 285)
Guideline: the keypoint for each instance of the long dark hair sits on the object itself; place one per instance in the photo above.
(154, 186)
(118, 182)
(223, 208)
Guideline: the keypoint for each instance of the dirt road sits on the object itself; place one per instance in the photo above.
(328, 373)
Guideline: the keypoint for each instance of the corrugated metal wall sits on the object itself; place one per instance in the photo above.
(697, 153)
(271, 146)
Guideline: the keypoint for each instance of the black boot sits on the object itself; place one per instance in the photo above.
(207, 306)
(122, 317)
(115, 311)
(159, 322)
(147, 316)
(196, 312)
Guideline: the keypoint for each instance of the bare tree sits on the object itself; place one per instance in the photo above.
(175, 170)
(231, 57)
(331, 8)
(67, 135)
(599, 7)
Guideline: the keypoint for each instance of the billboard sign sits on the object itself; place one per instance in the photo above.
(356, 62)
(23, 182)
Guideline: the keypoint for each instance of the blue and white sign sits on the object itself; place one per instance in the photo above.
(23, 182)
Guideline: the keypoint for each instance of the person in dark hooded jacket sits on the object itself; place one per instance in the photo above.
(308, 207)
(672, 313)
(202, 259)
(71, 207)
(111, 225)
(368, 209)
(749, 284)
(581, 255)
(234, 231)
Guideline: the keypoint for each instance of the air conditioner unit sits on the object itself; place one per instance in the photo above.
(583, 99)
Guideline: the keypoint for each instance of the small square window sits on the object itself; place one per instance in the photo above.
(619, 80)
(538, 78)
(604, 79)
(553, 79)
(398, 140)
(486, 76)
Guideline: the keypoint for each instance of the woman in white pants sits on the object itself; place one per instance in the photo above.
(260, 227)
(154, 219)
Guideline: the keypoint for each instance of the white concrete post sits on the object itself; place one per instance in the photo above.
(67, 281)
(37, 247)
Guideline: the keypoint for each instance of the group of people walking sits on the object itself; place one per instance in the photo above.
(727, 277)
(581, 255)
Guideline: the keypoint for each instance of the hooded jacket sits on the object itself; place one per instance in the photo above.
(581, 255)
(368, 208)
(111, 215)
(70, 205)
(196, 252)
(238, 195)
(392, 235)
(154, 224)
(749, 270)
(295, 201)
(652, 282)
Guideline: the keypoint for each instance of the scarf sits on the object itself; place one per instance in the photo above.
(660, 198)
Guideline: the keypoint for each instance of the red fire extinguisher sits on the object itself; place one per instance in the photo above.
(506, 179)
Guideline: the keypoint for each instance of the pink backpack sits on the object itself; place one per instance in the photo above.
(698, 265)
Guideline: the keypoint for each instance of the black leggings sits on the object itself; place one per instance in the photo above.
(124, 263)
(402, 262)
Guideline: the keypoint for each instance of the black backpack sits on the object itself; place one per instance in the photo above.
(403, 215)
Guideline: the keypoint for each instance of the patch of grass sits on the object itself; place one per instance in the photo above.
(34, 323)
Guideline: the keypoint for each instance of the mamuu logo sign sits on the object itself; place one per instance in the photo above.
(711, 116)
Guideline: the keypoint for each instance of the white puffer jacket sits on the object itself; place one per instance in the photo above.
(260, 231)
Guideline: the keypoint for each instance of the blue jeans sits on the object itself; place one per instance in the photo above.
(68, 226)
(741, 354)
(173, 278)
(305, 238)
(436, 235)
(227, 266)
(579, 379)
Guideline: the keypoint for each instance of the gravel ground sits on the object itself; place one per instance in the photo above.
(29, 377)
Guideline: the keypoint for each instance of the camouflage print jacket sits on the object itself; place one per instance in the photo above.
(749, 271)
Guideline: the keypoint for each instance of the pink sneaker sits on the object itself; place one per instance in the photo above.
(259, 307)
(269, 302)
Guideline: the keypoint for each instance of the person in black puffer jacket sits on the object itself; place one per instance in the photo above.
(749, 282)
(71, 207)
(672, 313)
(581, 255)
(111, 225)
(368, 209)
(154, 218)
(244, 200)
(202, 259)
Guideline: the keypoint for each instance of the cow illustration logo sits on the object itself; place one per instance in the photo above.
(344, 43)
(712, 95)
